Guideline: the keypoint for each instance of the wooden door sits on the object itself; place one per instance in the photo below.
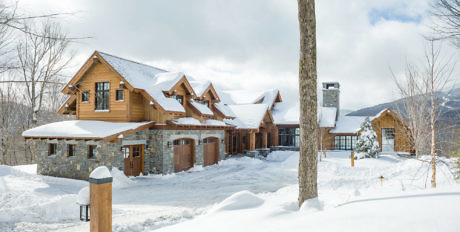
(133, 160)
(183, 154)
(210, 151)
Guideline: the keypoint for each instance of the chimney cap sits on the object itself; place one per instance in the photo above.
(331, 85)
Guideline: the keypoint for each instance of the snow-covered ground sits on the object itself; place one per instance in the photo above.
(246, 194)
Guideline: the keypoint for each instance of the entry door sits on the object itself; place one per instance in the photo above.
(133, 160)
(388, 139)
(183, 154)
(210, 151)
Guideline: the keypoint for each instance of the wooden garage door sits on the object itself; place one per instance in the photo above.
(210, 151)
(183, 154)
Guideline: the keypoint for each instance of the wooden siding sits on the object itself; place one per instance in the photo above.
(402, 141)
(86, 110)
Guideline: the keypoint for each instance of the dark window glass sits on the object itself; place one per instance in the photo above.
(119, 96)
(288, 136)
(91, 151)
(52, 149)
(71, 149)
(136, 151)
(102, 95)
(179, 98)
(206, 103)
(85, 96)
(347, 142)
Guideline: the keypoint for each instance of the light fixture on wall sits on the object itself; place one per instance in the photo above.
(199, 141)
(122, 84)
(169, 144)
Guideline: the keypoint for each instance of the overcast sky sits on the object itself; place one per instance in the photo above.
(254, 44)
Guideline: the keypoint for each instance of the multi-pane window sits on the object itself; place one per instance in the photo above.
(71, 149)
(102, 95)
(345, 142)
(289, 136)
(179, 98)
(119, 95)
(85, 96)
(206, 103)
(91, 151)
(52, 148)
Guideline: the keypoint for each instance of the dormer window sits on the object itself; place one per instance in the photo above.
(102, 95)
(179, 98)
(206, 103)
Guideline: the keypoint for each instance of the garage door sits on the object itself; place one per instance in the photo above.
(210, 151)
(183, 154)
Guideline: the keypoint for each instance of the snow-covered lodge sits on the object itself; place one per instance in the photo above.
(142, 119)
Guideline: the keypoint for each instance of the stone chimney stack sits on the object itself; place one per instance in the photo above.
(331, 96)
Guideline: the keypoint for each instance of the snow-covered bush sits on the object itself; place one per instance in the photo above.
(367, 145)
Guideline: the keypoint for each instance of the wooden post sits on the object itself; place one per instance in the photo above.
(275, 137)
(352, 159)
(252, 141)
(100, 193)
(264, 139)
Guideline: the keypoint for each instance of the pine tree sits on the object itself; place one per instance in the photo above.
(367, 145)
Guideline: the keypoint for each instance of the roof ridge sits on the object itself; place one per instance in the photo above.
(132, 61)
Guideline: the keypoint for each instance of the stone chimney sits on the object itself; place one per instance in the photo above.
(331, 96)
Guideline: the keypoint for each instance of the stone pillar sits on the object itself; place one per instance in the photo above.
(264, 139)
(100, 195)
(252, 140)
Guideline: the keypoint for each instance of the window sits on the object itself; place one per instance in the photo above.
(52, 148)
(206, 103)
(345, 142)
(71, 149)
(102, 95)
(119, 96)
(85, 96)
(289, 136)
(91, 151)
(179, 98)
(136, 151)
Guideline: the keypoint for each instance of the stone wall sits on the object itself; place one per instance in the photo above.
(158, 156)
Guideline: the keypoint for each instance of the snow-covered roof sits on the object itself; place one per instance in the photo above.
(198, 86)
(153, 80)
(189, 121)
(224, 109)
(267, 97)
(326, 116)
(201, 107)
(348, 124)
(286, 113)
(238, 96)
(251, 115)
(82, 129)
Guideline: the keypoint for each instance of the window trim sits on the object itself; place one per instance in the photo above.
(182, 99)
(345, 142)
(90, 151)
(73, 151)
(103, 92)
(82, 93)
(49, 149)
(122, 95)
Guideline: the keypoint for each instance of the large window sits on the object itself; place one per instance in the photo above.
(179, 98)
(289, 136)
(345, 142)
(52, 148)
(92, 149)
(102, 95)
(71, 149)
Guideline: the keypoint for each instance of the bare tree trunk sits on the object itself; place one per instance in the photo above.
(432, 117)
(308, 102)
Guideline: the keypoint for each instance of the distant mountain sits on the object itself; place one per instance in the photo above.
(450, 107)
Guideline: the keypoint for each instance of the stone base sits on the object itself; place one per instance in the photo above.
(284, 148)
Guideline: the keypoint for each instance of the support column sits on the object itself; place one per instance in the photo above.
(252, 140)
(275, 136)
(100, 198)
(264, 139)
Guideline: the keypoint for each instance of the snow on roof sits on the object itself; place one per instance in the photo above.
(239, 96)
(224, 109)
(285, 113)
(212, 122)
(187, 121)
(380, 113)
(348, 124)
(201, 107)
(326, 116)
(198, 86)
(100, 172)
(235, 122)
(251, 115)
(82, 129)
(152, 80)
(268, 97)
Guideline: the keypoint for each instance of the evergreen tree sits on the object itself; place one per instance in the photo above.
(367, 145)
